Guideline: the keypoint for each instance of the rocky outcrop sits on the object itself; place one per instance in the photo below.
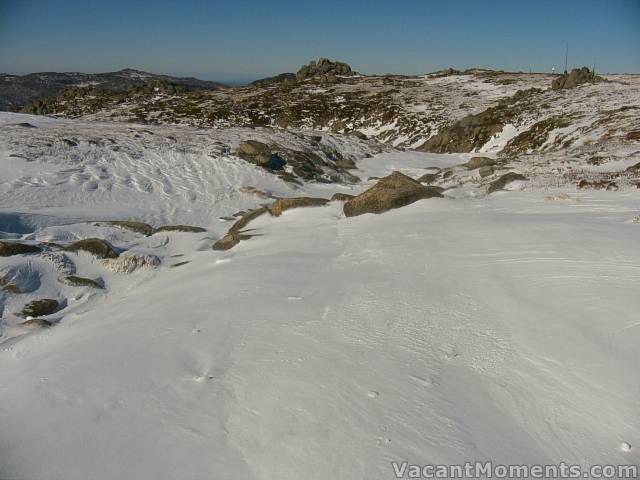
(244, 220)
(578, 76)
(535, 137)
(633, 135)
(17, 91)
(36, 323)
(39, 308)
(129, 262)
(255, 152)
(428, 178)
(341, 197)
(137, 227)
(180, 228)
(229, 241)
(251, 190)
(473, 131)
(477, 162)
(9, 287)
(633, 168)
(393, 191)
(76, 281)
(283, 204)
(325, 69)
(597, 185)
(485, 171)
(8, 249)
(505, 180)
(95, 246)
(260, 154)
(319, 162)
(282, 78)
(234, 235)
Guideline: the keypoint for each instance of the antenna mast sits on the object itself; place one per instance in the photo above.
(566, 58)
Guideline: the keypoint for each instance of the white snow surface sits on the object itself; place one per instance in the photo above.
(500, 328)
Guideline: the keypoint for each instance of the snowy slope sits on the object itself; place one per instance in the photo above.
(329, 347)
(500, 328)
(156, 174)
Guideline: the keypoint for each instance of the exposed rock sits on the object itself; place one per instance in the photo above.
(469, 133)
(260, 154)
(428, 178)
(137, 227)
(36, 323)
(8, 286)
(39, 308)
(255, 152)
(578, 76)
(180, 228)
(227, 242)
(253, 147)
(244, 220)
(129, 262)
(306, 164)
(477, 162)
(634, 135)
(485, 171)
(179, 264)
(76, 281)
(283, 204)
(60, 261)
(15, 248)
(358, 134)
(393, 191)
(234, 234)
(345, 163)
(323, 67)
(597, 185)
(341, 197)
(230, 240)
(535, 136)
(473, 131)
(95, 246)
(282, 78)
(445, 73)
(505, 180)
(634, 168)
(251, 190)
(30, 90)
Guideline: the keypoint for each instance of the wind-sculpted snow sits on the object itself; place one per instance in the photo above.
(503, 328)
(156, 174)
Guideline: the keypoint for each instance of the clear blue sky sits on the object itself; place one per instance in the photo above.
(247, 38)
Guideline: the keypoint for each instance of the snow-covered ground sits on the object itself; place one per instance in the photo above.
(499, 327)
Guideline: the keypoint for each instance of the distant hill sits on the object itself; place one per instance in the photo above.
(18, 90)
(283, 77)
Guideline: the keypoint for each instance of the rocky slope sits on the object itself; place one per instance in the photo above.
(447, 111)
(18, 90)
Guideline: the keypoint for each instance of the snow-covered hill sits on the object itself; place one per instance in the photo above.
(496, 327)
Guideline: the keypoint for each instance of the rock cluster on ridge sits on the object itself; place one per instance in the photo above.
(577, 77)
(324, 68)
